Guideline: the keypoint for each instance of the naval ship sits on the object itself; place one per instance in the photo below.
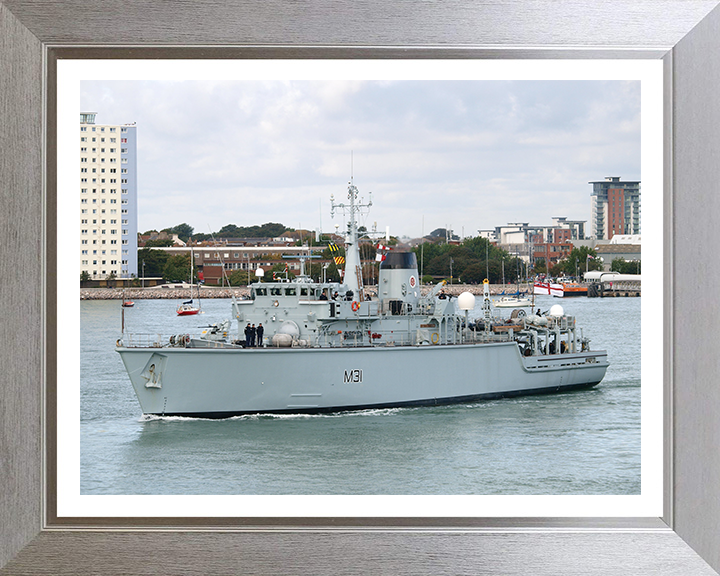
(334, 346)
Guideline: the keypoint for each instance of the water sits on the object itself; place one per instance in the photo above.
(585, 442)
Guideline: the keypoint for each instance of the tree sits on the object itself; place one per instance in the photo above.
(155, 261)
(574, 263)
(238, 278)
(624, 267)
(84, 276)
(184, 231)
(177, 268)
(159, 243)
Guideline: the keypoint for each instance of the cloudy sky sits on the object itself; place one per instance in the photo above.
(463, 154)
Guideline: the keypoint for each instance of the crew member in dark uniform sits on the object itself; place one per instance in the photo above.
(247, 336)
(252, 336)
(260, 332)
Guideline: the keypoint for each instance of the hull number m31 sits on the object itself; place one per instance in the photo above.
(353, 376)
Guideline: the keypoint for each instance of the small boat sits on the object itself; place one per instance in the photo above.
(574, 289)
(188, 307)
(512, 302)
(128, 304)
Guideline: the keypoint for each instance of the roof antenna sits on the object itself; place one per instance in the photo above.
(351, 166)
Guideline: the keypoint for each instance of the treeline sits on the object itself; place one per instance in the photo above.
(186, 232)
(470, 262)
(475, 259)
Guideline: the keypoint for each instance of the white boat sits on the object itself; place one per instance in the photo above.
(328, 347)
(513, 302)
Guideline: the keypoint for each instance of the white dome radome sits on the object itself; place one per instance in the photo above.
(557, 310)
(466, 301)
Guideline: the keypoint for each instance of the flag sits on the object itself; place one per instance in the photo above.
(380, 255)
(339, 260)
(333, 247)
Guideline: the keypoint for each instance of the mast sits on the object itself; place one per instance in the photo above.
(353, 266)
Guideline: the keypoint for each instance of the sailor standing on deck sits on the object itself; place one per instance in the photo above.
(260, 331)
(247, 336)
(252, 336)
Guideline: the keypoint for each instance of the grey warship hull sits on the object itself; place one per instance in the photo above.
(219, 383)
(336, 347)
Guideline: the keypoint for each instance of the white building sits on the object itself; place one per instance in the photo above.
(108, 198)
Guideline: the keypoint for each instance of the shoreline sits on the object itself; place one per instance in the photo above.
(155, 293)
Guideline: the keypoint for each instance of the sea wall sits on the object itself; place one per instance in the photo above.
(212, 292)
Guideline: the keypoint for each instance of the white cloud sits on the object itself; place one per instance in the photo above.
(472, 154)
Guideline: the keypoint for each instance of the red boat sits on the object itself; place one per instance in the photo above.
(187, 309)
(128, 304)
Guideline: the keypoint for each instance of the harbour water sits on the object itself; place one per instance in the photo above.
(580, 443)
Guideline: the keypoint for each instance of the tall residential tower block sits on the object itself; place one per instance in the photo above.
(108, 199)
(615, 208)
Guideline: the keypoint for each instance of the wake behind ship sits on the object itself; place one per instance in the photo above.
(331, 346)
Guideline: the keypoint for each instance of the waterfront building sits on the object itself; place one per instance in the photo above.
(108, 198)
(531, 243)
(615, 208)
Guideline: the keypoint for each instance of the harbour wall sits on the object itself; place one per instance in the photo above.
(155, 293)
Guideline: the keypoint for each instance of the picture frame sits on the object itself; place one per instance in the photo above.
(33, 540)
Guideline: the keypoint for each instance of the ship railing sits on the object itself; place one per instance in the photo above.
(144, 340)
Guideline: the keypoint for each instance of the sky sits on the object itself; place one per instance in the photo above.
(466, 155)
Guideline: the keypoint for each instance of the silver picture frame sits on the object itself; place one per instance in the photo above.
(684, 34)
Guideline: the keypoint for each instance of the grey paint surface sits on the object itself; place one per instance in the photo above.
(510, 546)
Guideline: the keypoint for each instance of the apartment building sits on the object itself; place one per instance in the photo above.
(615, 208)
(108, 198)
